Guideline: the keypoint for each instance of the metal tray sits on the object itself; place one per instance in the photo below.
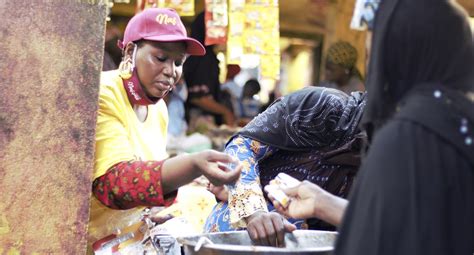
(239, 242)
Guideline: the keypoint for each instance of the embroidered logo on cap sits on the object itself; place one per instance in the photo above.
(164, 19)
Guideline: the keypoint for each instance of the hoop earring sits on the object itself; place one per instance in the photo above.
(126, 66)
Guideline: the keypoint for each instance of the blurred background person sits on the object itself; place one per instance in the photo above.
(231, 91)
(112, 53)
(175, 101)
(230, 85)
(341, 71)
(250, 104)
(202, 78)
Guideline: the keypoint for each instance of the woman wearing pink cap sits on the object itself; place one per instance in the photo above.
(131, 166)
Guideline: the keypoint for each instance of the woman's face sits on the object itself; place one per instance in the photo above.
(159, 66)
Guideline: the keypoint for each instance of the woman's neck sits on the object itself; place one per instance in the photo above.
(141, 111)
(344, 81)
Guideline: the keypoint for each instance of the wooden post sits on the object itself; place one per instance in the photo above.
(50, 61)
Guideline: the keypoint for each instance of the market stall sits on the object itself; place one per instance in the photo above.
(52, 55)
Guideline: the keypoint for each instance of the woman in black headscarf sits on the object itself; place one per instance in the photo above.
(415, 188)
(311, 134)
(415, 193)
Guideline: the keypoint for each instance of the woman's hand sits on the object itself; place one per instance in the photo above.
(220, 192)
(309, 200)
(304, 198)
(268, 228)
(213, 165)
(182, 169)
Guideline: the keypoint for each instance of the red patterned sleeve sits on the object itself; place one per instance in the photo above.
(130, 184)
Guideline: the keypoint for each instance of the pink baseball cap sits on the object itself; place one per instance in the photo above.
(160, 25)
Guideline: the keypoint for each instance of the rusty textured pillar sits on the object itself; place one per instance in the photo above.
(50, 61)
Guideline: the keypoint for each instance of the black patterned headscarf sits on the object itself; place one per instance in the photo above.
(312, 118)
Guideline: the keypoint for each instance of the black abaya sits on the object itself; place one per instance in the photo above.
(415, 189)
(414, 193)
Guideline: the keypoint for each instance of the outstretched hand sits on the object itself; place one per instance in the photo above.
(309, 200)
(213, 165)
(304, 198)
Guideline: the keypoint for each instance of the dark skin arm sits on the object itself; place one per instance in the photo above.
(182, 169)
(264, 228)
(308, 200)
(268, 228)
(209, 104)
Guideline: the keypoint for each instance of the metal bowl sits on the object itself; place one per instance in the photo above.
(239, 242)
